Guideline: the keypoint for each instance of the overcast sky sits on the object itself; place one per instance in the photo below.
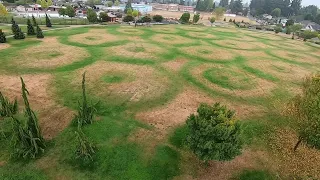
(304, 2)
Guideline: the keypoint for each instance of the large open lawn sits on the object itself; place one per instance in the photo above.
(148, 80)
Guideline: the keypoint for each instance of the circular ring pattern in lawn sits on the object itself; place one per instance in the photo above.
(164, 29)
(50, 54)
(265, 35)
(171, 39)
(209, 52)
(241, 44)
(129, 30)
(119, 82)
(291, 45)
(298, 57)
(137, 50)
(93, 37)
(202, 35)
(231, 80)
(192, 28)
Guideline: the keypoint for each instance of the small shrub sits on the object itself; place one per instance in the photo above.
(30, 28)
(128, 18)
(224, 19)
(184, 19)
(242, 21)
(85, 150)
(85, 112)
(157, 18)
(230, 20)
(39, 33)
(48, 22)
(309, 35)
(212, 20)
(234, 21)
(16, 31)
(214, 134)
(196, 18)
(305, 110)
(2, 37)
(28, 141)
(146, 19)
(277, 29)
(7, 108)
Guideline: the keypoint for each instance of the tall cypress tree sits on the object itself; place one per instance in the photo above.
(39, 32)
(2, 37)
(48, 22)
(30, 28)
(34, 21)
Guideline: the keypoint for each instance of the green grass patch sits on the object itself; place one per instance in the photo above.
(178, 137)
(255, 175)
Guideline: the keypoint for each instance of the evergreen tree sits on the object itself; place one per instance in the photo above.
(2, 37)
(128, 6)
(30, 28)
(224, 3)
(48, 22)
(236, 6)
(16, 31)
(295, 6)
(39, 32)
(34, 21)
(19, 34)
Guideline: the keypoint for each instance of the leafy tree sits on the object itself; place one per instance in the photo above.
(63, 12)
(290, 22)
(295, 6)
(306, 110)
(128, 18)
(317, 19)
(28, 141)
(48, 22)
(276, 12)
(3, 10)
(117, 3)
(44, 4)
(237, 6)
(196, 18)
(70, 11)
(213, 133)
(146, 19)
(157, 18)
(295, 28)
(219, 12)
(103, 16)
(109, 3)
(212, 20)
(309, 34)
(128, 6)
(39, 33)
(92, 16)
(309, 17)
(224, 3)
(30, 28)
(185, 18)
(129, 12)
(311, 10)
(2, 37)
(34, 22)
(277, 29)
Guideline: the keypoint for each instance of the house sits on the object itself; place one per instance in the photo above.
(112, 17)
(308, 25)
(186, 8)
(173, 7)
(54, 8)
(24, 8)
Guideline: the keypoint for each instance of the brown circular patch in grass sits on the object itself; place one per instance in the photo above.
(139, 82)
(202, 35)
(299, 57)
(209, 52)
(171, 39)
(284, 71)
(53, 118)
(241, 45)
(303, 163)
(137, 50)
(94, 37)
(50, 54)
(129, 30)
(4, 46)
(176, 64)
(255, 86)
(164, 29)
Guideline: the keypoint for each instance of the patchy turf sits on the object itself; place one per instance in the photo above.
(147, 81)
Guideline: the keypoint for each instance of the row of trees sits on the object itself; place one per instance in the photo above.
(69, 11)
(287, 7)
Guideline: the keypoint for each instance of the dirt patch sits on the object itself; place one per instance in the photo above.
(53, 118)
(4, 46)
(209, 52)
(299, 57)
(304, 162)
(137, 50)
(249, 159)
(202, 35)
(176, 64)
(50, 54)
(176, 111)
(134, 86)
(258, 86)
(282, 70)
(171, 39)
(94, 37)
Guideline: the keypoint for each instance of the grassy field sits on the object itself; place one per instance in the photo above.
(148, 80)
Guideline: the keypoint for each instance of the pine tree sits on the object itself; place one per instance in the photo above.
(19, 34)
(128, 6)
(48, 22)
(2, 37)
(39, 32)
(30, 28)
(14, 26)
(34, 21)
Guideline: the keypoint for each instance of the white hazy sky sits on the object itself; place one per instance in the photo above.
(304, 2)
